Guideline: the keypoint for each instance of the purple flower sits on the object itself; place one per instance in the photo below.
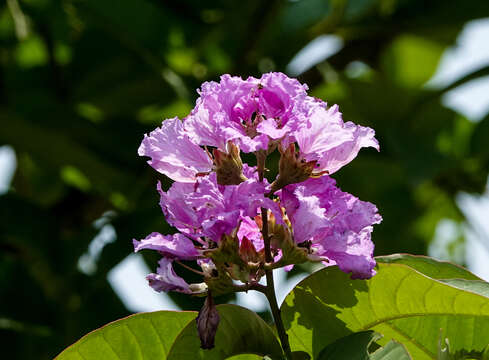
(166, 279)
(327, 140)
(216, 201)
(335, 225)
(172, 246)
(250, 230)
(248, 112)
(206, 209)
(351, 251)
(173, 153)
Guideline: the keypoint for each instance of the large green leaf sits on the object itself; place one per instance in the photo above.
(433, 268)
(141, 336)
(240, 331)
(399, 302)
(357, 347)
(173, 335)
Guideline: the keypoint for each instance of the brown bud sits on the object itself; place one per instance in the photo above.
(291, 169)
(228, 165)
(207, 323)
(248, 252)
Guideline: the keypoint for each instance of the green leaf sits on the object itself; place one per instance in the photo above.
(399, 302)
(140, 336)
(240, 331)
(392, 351)
(433, 268)
(356, 347)
(173, 335)
(351, 347)
(476, 286)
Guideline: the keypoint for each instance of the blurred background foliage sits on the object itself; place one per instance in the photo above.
(81, 81)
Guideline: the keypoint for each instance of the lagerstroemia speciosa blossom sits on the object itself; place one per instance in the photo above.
(217, 203)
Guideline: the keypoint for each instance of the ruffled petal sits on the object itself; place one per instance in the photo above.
(249, 229)
(206, 209)
(173, 153)
(272, 128)
(329, 141)
(351, 251)
(337, 224)
(172, 246)
(334, 159)
(248, 112)
(305, 212)
(166, 279)
(220, 107)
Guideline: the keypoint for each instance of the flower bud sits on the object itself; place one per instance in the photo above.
(228, 166)
(292, 169)
(281, 238)
(227, 259)
(207, 323)
(252, 259)
(248, 252)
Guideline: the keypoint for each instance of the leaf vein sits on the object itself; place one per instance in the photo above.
(455, 300)
(355, 317)
(110, 346)
(371, 303)
(390, 318)
(165, 352)
(140, 350)
(396, 292)
(426, 293)
(412, 340)
(79, 353)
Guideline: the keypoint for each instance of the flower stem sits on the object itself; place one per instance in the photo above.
(269, 290)
(189, 268)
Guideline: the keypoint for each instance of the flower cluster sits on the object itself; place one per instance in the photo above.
(228, 215)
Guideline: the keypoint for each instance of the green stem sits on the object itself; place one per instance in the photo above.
(250, 286)
(272, 300)
(269, 290)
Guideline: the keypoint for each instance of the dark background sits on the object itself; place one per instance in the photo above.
(82, 81)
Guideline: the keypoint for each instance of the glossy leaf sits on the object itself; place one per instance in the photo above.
(140, 336)
(240, 331)
(399, 302)
(173, 335)
(428, 266)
